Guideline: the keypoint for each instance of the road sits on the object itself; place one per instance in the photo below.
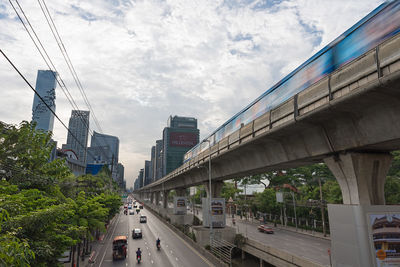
(309, 247)
(174, 252)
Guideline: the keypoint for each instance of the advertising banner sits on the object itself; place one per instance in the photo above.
(182, 139)
(384, 229)
(217, 212)
(180, 204)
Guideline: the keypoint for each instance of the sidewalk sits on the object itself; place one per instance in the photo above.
(96, 245)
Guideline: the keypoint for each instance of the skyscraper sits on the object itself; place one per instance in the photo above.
(104, 149)
(180, 135)
(45, 86)
(78, 126)
(152, 164)
(158, 160)
(146, 173)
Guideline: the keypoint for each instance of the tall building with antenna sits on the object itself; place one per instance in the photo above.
(45, 86)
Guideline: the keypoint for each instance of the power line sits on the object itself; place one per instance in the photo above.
(61, 84)
(67, 59)
(36, 93)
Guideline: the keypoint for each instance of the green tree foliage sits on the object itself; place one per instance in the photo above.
(44, 209)
(229, 191)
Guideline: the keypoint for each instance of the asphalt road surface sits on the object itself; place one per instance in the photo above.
(309, 247)
(174, 252)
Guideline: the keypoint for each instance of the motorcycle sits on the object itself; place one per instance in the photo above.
(139, 258)
(158, 246)
(233, 221)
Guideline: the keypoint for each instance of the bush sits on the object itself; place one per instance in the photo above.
(239, 240)
(197, 221)
(207, 247)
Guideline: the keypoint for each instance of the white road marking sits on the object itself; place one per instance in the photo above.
(171, 251)
(152, 262)
(176, 258)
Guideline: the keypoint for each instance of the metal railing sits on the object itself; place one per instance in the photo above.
(222, 249)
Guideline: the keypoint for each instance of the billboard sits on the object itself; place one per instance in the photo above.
(217, 212)
(180, 205)
(384, 230)
(183, 139)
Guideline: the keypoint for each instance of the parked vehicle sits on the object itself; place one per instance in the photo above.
(265, 229)
(120, 244)
(137, 233)
(131, 212)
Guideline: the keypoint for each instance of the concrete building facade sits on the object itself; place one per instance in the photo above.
(77, 139)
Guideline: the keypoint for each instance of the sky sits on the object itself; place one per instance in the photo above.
(141, 61)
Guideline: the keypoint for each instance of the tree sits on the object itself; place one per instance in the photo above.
(229, 191)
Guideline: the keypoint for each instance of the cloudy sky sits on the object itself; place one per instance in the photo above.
(141, 61)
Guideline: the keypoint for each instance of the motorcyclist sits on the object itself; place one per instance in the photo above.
(138, 253)
(158, 243)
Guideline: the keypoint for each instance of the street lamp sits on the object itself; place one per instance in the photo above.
(321, 203)
(209, 185)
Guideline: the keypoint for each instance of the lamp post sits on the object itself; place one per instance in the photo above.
(209, 186)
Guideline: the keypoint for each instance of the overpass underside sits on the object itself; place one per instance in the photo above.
(356, 109)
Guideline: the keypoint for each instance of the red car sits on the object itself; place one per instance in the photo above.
(265, 229)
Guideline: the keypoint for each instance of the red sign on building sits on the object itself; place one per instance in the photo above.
(182, 139)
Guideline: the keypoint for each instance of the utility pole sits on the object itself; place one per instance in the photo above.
(322, 207)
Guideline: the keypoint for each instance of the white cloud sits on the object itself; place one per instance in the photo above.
(141, 61)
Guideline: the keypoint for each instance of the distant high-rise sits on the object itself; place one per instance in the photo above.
(180, 135)
(78, 127)
(146, 173)
(45, 86)
(158, 160)
(152, 164)
(104, 149)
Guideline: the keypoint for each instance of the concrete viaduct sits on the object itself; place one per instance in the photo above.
(350, 120)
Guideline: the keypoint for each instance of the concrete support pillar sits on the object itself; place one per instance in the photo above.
(165, 199)
(261, 263)
(216, 188)
(157, 197)
(152, 197)
(361, 176)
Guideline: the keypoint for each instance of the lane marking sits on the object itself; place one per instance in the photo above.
(108, 243)
(186, 243)
(152, 262)
(176, 259)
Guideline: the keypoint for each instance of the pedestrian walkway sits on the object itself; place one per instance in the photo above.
(94, 248)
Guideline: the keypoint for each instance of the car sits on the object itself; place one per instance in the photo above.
(135, 206)
(265, 229)
(141, 207)
(129, 206)
(131, 212)
(143, 219)
(136, 233)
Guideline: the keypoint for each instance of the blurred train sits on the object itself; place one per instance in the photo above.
(378, 26)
